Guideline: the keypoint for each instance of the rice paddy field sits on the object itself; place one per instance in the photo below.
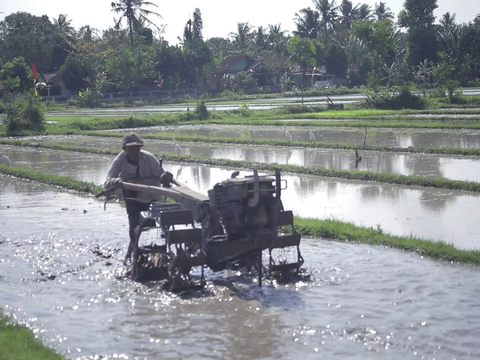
(387, 204)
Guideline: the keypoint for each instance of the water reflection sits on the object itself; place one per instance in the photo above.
(401, 138)
(450, 167)
(438, 214)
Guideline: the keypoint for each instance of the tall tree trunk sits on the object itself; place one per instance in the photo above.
(301, 83)
(131, 37)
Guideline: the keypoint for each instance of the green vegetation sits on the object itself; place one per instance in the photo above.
(409, 180)
(330, 229)
(438, 119)
(17, 342)
(55, 180)
(341, 231)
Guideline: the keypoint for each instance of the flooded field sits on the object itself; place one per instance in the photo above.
(437, 214)
(403, 138)
(450, 167)
(60, 274)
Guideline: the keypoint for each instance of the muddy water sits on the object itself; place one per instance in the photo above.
(436, 214)
(450, 167)
(61, 275)
(379, 137)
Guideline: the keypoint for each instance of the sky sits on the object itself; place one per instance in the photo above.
(220, 17)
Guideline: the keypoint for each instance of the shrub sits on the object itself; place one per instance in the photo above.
(440, 92)
(33, 112)
(201, 111)
(299, 109)
(72, 102)
(23, 112)
(451, 86)
(244, 110)
(474, 83)
(404, 99)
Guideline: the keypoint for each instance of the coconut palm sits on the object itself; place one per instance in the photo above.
(135, 14)
(365, 12)
(328, 14)
(348, 13)
(63, 25)
(260, 39)
(308, 24)
(383, 12)
(277, 38)
(241, 40)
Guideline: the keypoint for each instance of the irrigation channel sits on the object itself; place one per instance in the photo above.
(60, 274)
(431, 213)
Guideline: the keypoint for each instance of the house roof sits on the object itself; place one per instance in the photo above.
(231, 60)
(50, 77)
(296, 70)
(257, 63)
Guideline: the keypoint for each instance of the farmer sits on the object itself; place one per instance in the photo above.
(139, 166)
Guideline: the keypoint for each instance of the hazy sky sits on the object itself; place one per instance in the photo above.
(220, 17)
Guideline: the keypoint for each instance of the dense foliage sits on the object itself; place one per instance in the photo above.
(356, 43)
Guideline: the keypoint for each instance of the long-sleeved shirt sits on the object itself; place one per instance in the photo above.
(148, 171)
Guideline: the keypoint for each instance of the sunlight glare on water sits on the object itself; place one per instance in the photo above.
(61, 274)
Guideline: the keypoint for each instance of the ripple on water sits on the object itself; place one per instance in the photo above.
(360, 301)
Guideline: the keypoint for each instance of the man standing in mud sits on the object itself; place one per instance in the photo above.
(133, 164)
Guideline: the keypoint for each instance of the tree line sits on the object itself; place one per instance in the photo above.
(367, 45)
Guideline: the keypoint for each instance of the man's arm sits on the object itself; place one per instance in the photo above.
(114, 171)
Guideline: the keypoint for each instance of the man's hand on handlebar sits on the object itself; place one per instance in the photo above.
(167, 179)
(117, 183)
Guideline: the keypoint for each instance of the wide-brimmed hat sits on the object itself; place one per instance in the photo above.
(132, 139)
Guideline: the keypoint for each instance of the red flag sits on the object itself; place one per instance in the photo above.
(34, 69)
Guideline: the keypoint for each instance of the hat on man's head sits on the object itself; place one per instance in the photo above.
(132, 139)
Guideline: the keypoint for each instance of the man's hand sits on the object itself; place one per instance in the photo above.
(118, 183)
(166, 179)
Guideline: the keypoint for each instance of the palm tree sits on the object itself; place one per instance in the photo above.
(307, 23)
(383, 12)
(276, 38)
(328, 14)
(242, 38)
(347, 13)
(365, 12)
(63, 25)
(261, 40)
(135, 15)
(447, 22)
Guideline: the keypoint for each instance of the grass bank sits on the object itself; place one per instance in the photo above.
(64, 182)
(331, 229)
(348, 232)
(17, 342)
(96, 123)
(409, 180)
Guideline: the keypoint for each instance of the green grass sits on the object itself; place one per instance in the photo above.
(409, 180)
(331, 229)
(317, 116)
(67, 125)
(17, 342)
(344, 231)
(55, 180)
